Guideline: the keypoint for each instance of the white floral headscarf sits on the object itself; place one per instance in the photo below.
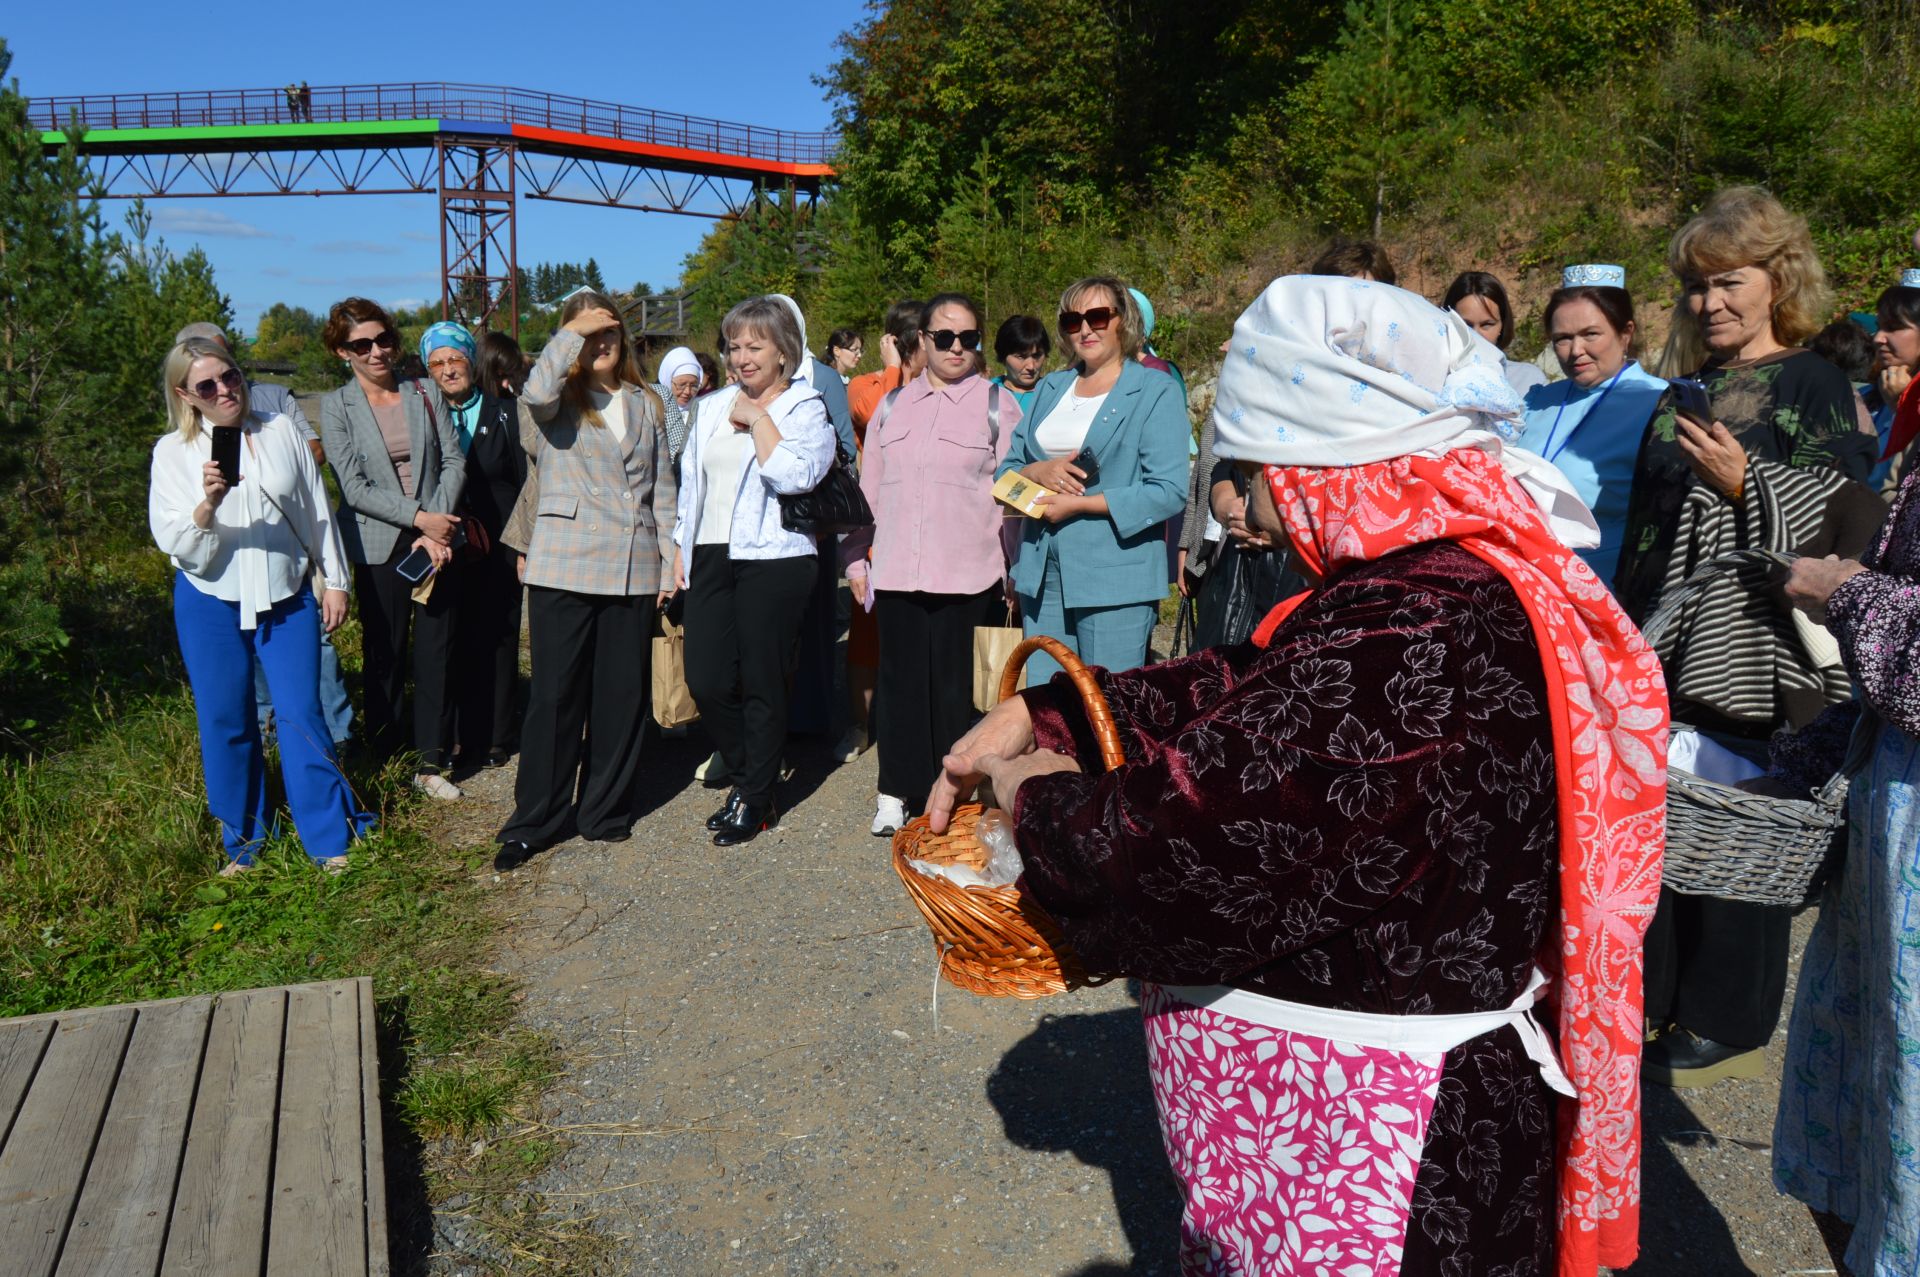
(1327, 371)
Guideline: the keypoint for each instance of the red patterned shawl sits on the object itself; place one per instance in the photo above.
(1608, 706)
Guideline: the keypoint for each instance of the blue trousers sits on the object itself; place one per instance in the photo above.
(334, 703)
(220, 657)
(1112, 637)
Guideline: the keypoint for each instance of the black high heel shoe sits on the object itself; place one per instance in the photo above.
(744, 823)
(719, 818)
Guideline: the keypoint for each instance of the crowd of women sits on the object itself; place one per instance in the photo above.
(1397, 815)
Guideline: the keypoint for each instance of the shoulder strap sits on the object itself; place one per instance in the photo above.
(880, 413)
(993, 415)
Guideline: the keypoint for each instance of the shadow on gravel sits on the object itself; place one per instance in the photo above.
(1682, 1234)
(1078, 1084)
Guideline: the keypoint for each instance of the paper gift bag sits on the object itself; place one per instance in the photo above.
(672, 703)
(992, 645)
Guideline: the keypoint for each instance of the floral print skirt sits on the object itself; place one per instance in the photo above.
(1847, 1138)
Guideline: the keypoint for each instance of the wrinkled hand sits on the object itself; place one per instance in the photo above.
(1058, 475)
(679, 569)
(858, 584)
(1716, 455)
(1005, 733)
(1243, 533)
(440, 554)
(213, 484)
(1006, 775)
(333, 610)
(1811, 582)
(746, 413)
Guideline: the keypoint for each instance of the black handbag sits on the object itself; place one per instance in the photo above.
(834, 506)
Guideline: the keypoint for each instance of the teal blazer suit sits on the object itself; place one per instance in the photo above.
(1140, 440)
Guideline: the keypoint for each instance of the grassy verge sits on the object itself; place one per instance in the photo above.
(109, 893)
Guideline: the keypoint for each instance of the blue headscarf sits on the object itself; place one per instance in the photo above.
(447, 333)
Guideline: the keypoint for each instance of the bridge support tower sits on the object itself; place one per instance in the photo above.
(479, 242)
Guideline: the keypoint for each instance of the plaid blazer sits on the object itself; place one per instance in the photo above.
(594, 517)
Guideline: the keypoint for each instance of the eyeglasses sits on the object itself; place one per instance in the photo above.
(944, 338)
(1097, 319)
(210, 387)
(363, 346)
(449, 362)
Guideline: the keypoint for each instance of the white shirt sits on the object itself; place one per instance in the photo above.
(720, 463)
(613, 411)
(249, 555)
(798, 462)
(1063, 431)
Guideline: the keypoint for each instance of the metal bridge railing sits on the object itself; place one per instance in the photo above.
(354, 103)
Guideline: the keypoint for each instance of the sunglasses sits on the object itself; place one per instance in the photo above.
(944, 338)
(363, 346)
(1097, 319)
(209, 387)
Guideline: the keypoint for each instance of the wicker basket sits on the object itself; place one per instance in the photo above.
(1726, 842)
(995, 940)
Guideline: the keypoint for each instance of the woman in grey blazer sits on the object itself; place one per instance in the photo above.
(392, 447)
(600, 497)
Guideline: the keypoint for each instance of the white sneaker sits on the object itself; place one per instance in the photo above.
(434, 785)
(852, 744)
(334, 866)
(889, 813)
(713, 761)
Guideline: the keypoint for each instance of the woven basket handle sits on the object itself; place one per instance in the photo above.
(1706, 574)
(1105, 732)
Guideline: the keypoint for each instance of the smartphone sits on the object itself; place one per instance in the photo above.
(226, 452)
(1089, 466)
(1690, 397)
(416, 567)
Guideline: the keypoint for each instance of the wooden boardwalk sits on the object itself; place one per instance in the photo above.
(213, 1136)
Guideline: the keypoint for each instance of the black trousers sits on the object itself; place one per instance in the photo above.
(487, 673)
(387, 613)
(592, 658)
(923, 701)
(743, 624)
(1717, 967)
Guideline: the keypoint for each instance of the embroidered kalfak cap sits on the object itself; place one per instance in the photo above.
(1594, 275)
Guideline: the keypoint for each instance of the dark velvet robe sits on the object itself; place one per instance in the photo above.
(1361, 816)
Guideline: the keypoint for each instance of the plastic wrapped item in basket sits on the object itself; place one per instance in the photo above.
(1738, 845)
(998, 941)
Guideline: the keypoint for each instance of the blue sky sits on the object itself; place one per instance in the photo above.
(748, 61)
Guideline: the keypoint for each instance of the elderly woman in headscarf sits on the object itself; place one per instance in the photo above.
(1377, 862)
(678, 385)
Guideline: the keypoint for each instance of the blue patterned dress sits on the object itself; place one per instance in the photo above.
(1847, 1137)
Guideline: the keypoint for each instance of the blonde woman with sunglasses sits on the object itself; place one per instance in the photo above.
(243, 532)
(1107, 437)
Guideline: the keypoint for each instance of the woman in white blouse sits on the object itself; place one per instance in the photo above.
(241, 595)
(747, 576)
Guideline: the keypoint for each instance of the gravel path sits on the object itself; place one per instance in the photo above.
(756, 1082)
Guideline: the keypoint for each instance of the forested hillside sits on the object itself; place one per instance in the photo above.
(1200, 149)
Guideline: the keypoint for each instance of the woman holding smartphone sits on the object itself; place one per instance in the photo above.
(600, 499)
(242, 532)
(1108, 438)
(1771, 465)
(401, 469)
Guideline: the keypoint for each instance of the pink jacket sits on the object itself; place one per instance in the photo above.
(928, 474)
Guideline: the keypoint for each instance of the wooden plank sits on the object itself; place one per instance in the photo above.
(318, 1226)
(376, 1145)
(52, 1140)
(120, 1225)
(219, 1220)
(21, 1046)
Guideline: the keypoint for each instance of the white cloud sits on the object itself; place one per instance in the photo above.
(176, 219)
(405, 303)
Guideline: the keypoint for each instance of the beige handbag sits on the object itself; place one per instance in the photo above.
(672, 703)
(992, 645)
